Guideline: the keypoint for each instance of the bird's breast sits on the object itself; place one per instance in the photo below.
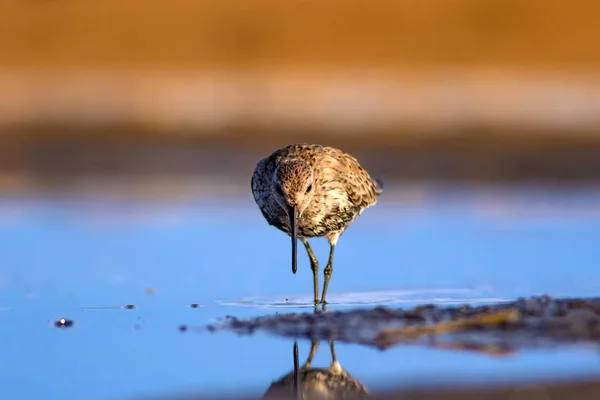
(324, 221)
(322, 216)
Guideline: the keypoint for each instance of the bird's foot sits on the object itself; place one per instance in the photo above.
(323, 305)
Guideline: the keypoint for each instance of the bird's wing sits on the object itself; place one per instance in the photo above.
(362, 190)
(261, 186)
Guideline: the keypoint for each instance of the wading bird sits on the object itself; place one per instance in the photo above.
(308, 190)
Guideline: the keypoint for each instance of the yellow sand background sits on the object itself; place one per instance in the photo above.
(326, 64)
(414, 34)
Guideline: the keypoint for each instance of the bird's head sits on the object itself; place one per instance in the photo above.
(293, 185)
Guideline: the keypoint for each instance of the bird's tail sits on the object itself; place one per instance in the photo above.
(378, 186)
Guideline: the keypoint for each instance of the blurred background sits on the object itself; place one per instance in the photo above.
(130, 129)
(175, 98)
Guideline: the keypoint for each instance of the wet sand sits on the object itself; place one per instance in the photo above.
(492, 329)
(489, 329)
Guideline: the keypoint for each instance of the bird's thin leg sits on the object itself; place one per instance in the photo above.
(314, 346)
(314, 265)
(328, 271)
(332, 349)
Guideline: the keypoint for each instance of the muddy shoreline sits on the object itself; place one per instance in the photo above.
(523, 323)
(492, 330)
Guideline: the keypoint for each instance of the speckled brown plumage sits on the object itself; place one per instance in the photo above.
(326, 187)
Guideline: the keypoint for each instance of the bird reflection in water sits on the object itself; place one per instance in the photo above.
(307, 383)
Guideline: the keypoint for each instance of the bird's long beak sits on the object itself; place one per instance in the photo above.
(293, 216)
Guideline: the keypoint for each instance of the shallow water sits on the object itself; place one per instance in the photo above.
(84, 260)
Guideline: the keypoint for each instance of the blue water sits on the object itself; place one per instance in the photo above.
(83, 259)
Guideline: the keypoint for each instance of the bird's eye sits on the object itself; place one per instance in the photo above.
(279, 190)
(309, 188)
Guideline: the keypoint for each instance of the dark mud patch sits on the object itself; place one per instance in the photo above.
(63, 323)
(495, 329)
